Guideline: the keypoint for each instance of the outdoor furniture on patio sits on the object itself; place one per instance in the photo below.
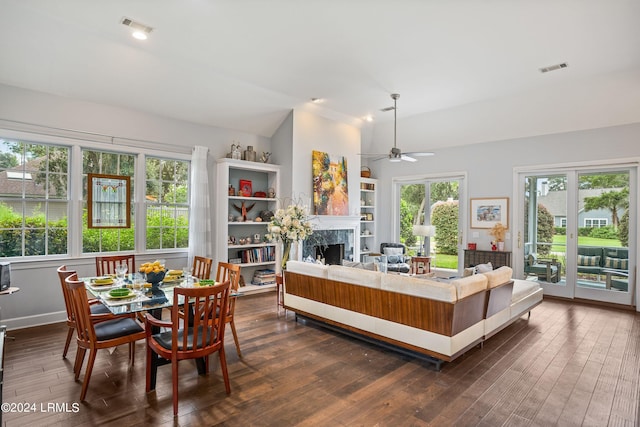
(547, 269)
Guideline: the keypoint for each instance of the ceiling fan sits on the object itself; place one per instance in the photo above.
(395, 154)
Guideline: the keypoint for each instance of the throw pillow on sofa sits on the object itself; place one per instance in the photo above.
(484, 268)
(588, 261)
(363, 265)
(616, 263)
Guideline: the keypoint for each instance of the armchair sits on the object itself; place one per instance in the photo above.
(547, 269)
(396, 259)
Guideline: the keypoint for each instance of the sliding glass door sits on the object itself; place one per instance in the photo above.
(574, 237)
(431, 202)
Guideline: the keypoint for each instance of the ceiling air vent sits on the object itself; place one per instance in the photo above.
(136, 25)
(554, 67)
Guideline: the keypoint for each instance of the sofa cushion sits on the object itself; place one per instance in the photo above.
(308, 268)
(362, 265)
(355, 276)
(589, 261)
(420, 287)
(616, 263)
(523, 288)
(470, 285)
(498, 276)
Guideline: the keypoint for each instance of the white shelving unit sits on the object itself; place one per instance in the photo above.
(262, 176)
(368, 215)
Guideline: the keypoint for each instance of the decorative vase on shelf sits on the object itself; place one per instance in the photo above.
(286, 252)
(501, 246)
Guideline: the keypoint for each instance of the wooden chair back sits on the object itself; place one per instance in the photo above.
(231, 272)
(107, 264)
(202, 267)
(63, 273)
(199, 335)
(114, 330)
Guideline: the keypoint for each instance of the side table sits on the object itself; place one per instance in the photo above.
(420, 264)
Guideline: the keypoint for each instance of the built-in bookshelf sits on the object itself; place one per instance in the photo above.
(247, 192)
(368, 216)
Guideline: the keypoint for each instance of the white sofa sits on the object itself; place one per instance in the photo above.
(435, 318)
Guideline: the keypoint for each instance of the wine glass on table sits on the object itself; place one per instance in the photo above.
(121, 271)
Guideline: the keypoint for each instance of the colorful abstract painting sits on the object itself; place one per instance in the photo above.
(330, 187)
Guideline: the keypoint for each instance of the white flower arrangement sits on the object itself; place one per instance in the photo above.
(290, 225)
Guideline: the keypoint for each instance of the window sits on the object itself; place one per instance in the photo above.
(107, 240)
(33, 198)
(563, 222)
(166, 202)
(595, 222)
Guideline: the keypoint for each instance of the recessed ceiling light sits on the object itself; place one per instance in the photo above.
(368, 118)
(139, 35)
(317, 100)
(140, 31)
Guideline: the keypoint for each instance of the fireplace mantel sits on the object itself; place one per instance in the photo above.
(327, 223)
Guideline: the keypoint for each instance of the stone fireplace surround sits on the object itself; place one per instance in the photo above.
(333, 230)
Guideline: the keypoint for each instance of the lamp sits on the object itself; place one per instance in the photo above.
(425, 231)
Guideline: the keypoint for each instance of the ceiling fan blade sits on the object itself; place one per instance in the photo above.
(408, 159)
(420, 153)
(382, 157)
(372, 154)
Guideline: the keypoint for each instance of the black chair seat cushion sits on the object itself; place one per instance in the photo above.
(116, 328)
(164, 338)
(99, 309)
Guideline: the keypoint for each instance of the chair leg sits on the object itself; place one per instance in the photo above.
(79, 360)
(223, 366)
(235, 337)
(174, 374)
(150, 367)
(87, 374)
(132, 352)
(66, 344)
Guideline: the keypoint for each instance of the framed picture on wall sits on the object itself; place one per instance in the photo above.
(486, 212)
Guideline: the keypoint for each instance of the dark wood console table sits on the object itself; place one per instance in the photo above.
(496, 258)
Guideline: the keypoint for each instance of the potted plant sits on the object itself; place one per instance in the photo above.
(498, 231)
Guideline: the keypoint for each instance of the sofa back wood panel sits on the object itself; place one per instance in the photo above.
(499, 298)
(431, 315)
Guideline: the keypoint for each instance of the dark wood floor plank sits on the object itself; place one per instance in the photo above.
(569, 364)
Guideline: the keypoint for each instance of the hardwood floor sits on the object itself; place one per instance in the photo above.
(570, 364)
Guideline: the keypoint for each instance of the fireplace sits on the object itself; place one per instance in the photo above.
(332, 254)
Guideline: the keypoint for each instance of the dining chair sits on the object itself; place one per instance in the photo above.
(202, 267)
(197, 338)
(95, 306)
(231, 272)
(107, 264)
(98, 331)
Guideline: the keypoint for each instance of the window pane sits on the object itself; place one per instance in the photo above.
(107, 240)
(32, 175)
(167, 203)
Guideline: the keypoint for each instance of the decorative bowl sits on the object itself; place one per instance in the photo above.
(155, 278)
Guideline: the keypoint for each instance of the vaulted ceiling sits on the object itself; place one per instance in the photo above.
(467, 70)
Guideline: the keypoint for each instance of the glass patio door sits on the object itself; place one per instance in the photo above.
(431, 201)
(574, 236)
(543, 236)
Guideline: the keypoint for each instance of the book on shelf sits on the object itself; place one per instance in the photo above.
(262, 254)
(264, 277)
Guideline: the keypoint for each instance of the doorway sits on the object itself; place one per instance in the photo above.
(574, 232)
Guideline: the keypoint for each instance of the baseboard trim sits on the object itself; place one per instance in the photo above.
(37, 320)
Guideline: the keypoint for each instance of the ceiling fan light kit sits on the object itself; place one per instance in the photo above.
(395, 154)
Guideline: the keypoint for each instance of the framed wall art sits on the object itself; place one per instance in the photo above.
(330, 186)
(108, 201)
(486, 212)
